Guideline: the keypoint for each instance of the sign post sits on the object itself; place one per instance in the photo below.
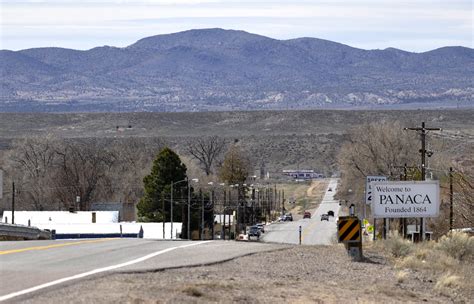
(300, 234)
(349, 232)
(1, 183)
(368, 192)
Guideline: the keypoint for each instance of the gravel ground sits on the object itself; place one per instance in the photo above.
(299, 274)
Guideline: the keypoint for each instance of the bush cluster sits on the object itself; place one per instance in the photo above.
(458, 245)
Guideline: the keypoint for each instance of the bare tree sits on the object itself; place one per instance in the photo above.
(82, 169)
(133, 157)
(207, 150)
(374, 149)
(33, 161)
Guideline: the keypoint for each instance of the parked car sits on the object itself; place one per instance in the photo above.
(261, 227)
(331, 213)
(254, 232)
(307, 214)
(324, 217)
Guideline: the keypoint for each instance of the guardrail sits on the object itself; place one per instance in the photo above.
(15, 232)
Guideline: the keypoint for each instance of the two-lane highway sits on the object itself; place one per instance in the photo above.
(28, 267)
(314, 231)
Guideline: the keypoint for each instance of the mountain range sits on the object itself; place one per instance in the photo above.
(216, 69)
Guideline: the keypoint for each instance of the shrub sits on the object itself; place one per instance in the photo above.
(398, 246)
(401, 276)
(447, 281)
(458, 245)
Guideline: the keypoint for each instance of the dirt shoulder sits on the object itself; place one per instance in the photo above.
(300, 274)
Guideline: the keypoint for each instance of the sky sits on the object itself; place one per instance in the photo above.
(411, 25)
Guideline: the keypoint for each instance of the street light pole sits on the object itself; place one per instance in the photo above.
(172, 203)
(171, 211)
(211, 193)
(189, 211)
(202, 214)
(189, 206)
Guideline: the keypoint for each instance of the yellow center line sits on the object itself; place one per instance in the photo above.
(307, 229)
(51, 246)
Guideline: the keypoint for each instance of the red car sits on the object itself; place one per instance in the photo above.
(307, 214)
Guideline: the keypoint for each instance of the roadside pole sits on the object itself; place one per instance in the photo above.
(164, 214)
(171, 210)
(212, 216)
(423, 130)
(202, 214)
(224, 205)
(451, 207)
(189, 212)
(375, 226)
(13, 202)
(300, 235)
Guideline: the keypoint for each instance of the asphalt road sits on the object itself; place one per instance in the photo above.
(31, 267)
(314, 231)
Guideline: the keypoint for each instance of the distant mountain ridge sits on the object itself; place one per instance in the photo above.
(215, 69)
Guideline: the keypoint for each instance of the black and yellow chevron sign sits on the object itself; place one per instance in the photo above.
(348, 229)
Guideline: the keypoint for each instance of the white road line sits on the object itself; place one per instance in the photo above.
(95, 271)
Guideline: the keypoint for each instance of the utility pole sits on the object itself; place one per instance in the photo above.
(283, 200)
(171, 211)
(404, 177)
(212, 216)
(189, 211)
(202, 214)
(423, 130)
(451, 207)
(164, 213)
(224, 205)
(13, 202)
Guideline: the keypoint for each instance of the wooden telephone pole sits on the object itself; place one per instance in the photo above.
(423, 130)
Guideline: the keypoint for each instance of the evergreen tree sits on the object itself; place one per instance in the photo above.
(167, 168)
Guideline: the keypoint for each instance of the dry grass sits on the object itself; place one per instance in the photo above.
(306, 194)
(458, 245)
(448, 283)
(193, 291)
(398, 246)
(448, 280)
(449, 261)
(401, 276)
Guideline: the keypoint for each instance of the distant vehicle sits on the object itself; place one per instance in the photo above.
(330, 189)
(288, 217)
(307, 214)
(254, 232)
(331, 213)
(261, 227)
(324, 217)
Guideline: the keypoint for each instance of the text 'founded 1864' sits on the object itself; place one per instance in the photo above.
(405, 199)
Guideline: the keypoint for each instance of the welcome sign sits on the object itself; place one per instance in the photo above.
(405, 199)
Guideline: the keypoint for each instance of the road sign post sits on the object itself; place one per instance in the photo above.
(1, 183)
(350, 233)
(300, 234)
(368, 191)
